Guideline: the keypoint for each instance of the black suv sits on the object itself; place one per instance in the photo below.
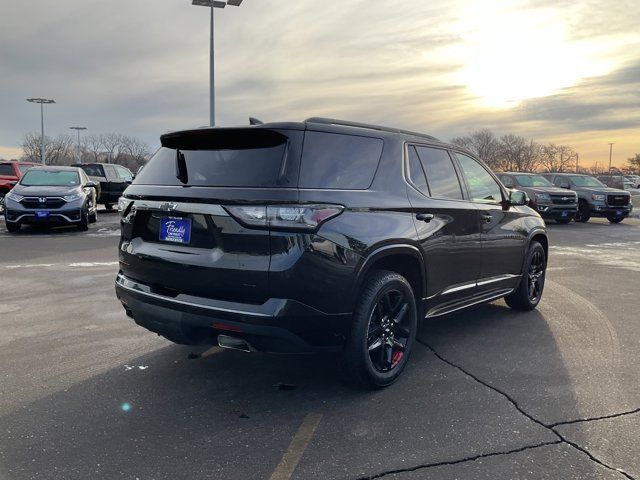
(595, 199)
(549, 201)
(320, 236)
(111, 179)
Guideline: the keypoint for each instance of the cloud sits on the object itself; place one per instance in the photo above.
(141, 67)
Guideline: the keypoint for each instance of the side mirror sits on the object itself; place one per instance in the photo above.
(518, 198)
(91, 185)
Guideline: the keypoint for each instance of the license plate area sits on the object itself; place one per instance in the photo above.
(42, 214)
(148, 225)
(175, 230)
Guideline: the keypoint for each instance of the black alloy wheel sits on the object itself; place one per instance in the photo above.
(384, 328)
(529, 291)
(389, 330)
(536, 274)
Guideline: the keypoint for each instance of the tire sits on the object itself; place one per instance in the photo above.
(93, 217)
(1, 203)
(83, 225)
(384, 294)
(563, 221)
(583, 214)
(527, 296)
(615, 219)
(108, 206)
(13, 227)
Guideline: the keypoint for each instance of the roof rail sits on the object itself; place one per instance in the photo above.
(346, 123)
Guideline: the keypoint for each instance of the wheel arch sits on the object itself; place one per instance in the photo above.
(405, 259)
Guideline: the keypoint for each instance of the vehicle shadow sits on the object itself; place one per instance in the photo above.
(233, 415)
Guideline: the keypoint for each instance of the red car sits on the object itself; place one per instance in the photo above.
(10, 173)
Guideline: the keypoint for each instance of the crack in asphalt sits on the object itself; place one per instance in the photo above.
(461, 460)
(561, 438)
(593, 419)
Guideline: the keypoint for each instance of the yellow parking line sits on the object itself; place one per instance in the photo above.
(298, 445)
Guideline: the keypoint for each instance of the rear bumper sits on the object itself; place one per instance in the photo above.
(277, 325)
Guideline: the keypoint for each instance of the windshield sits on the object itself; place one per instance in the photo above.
(50, 178)
(585, 181)
(532, 181)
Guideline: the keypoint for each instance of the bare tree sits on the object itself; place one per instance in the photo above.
(92, 148)
(136, 152)
(518, 154)
(558, 158)
(57, 151)
(483, 143)
(633, 163)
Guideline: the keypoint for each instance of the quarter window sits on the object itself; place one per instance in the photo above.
(416, 173)
(7, 170)
(482, 186)
(441, 174)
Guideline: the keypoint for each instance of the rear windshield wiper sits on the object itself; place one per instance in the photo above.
(181, 167)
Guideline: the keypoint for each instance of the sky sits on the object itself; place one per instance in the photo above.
(556, 71)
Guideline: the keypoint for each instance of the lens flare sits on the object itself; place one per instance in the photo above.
(125, 407)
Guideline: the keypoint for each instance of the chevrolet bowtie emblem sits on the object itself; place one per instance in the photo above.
(168, 206)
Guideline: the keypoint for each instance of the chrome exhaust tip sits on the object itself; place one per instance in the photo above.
(233, 343)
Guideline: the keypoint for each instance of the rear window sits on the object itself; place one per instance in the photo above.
(93, 170)
(337, 161)
(6, 170)
(254, 159)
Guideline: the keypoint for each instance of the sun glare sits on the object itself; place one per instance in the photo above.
(512, 54)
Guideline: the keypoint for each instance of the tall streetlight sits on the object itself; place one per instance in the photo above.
(610, 152)
(213, 4)
(77, 129)
(41, 101)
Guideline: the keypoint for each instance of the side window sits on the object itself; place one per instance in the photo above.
(507, 181)
(337, 161)
(441, 174)
(124, 173)
(483, 188)
(557, 181)
(416, 173)
(110, 172)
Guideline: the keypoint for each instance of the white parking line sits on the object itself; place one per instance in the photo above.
(73, 265)
(298, 445)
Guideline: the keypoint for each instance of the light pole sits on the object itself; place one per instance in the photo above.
(610, 152)
(213, 4)
(77, 129)
(41, 101)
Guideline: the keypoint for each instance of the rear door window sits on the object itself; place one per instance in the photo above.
(441, 174)
(124, 173)
(338, 161)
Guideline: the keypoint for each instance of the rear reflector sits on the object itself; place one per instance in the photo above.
(224, 326)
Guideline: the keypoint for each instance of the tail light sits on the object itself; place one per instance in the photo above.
(285, 217)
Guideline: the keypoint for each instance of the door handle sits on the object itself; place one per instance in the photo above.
(425, 217)
(486, 218)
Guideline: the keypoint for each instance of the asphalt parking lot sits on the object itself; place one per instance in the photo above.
(489, 393)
